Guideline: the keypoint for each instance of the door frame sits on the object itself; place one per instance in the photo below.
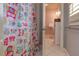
(62, 25)
(43, 27)
(44, 16)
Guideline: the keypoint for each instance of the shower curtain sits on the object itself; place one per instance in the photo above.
(18, 30)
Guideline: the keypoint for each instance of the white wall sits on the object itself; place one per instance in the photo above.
(72, 41)
(71, 34)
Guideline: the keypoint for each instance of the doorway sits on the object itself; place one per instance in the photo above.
(51, 11)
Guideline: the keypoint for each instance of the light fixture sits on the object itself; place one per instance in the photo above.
(58, 13)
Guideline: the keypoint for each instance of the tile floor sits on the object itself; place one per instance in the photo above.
(50, 49)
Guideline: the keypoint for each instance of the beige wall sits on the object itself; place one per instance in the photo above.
(50, 16)
(51, 10)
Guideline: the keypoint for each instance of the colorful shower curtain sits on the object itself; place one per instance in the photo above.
(19, 35)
